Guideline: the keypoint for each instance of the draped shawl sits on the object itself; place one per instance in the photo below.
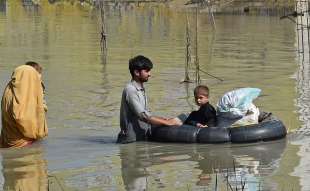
(22, 109)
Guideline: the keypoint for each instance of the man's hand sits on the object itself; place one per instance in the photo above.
(201, 125)
(163, 121)
(175, 121)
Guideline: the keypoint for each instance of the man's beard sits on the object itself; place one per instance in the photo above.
(144, 79)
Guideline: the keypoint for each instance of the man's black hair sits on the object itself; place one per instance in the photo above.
(139, 63)
(31, 63)
(35, 65)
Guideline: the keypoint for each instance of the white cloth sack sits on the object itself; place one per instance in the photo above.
(235, 108)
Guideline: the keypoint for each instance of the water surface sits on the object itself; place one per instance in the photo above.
(84, 92)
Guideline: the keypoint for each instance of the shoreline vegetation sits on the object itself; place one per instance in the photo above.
(250, 7)
(237, 7)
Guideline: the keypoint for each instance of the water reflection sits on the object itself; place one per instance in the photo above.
(133, 166)
(303, 87)
(3, 6)
(52, 1)
(189, 96)
(24, 170)
(161, 166)
(30, 6)
(302, 138)
(303, 73)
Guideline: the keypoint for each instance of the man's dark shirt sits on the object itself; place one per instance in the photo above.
(206, 115)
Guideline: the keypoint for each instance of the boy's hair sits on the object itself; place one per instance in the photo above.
(201, 90)
(139, 63)
(34, 65)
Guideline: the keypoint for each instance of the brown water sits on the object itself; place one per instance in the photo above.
(84, 92)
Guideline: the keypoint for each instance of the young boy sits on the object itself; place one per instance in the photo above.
(135, 119)
(206, 115)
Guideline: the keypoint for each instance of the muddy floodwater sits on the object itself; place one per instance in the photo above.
(84, 90)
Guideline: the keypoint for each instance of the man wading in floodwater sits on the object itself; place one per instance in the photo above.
(135, 119)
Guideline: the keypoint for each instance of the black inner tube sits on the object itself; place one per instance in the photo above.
(269, 128)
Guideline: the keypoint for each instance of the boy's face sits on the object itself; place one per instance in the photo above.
(143, 75)
(201, 99)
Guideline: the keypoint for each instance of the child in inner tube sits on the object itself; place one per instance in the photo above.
(205, 116)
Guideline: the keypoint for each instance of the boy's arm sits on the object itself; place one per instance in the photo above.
(210, 114)
(190, 120)
(193, 123)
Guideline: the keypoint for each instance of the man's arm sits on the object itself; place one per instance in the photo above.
(144, 114)
(162, 121)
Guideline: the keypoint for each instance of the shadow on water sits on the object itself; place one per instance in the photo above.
(98, 139)
(247, 161)
(24, 170)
